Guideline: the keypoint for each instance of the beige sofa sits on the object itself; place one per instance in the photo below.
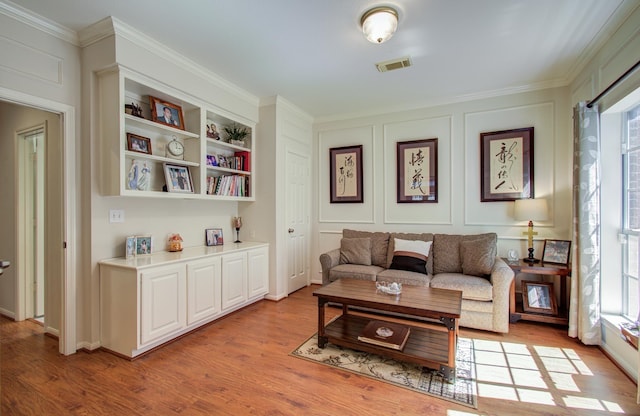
(468, 263)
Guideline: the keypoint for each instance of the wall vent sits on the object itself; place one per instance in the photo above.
(394, 64)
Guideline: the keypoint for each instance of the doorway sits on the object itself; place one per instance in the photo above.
(31, 219)
(60, 215)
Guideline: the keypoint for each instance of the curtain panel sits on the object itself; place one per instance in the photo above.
(584, 303)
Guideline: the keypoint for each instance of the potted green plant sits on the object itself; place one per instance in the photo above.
(236, 134)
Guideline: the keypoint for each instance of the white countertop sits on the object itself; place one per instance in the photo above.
(189, 253)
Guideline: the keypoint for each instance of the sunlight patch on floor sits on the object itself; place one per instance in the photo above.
(538, 375)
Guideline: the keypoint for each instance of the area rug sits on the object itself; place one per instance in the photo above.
(406, 375)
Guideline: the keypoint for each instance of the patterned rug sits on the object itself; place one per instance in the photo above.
(407, 375)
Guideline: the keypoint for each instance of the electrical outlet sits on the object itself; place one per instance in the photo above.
(116, 215)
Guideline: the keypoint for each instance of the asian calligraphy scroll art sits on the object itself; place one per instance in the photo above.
(417, 171)
(346, 174)
(506, 165)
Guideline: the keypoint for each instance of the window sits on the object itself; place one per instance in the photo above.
(631, 213)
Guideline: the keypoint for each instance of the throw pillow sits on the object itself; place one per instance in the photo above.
(478, 256)
(379, 244)
(408, 236)
(355, 251)
(410, 255)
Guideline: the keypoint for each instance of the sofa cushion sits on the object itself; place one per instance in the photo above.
(472, 287)
(478, 256)
(355, 251)
(446, 251)
(354, 271)
(379, 244)
(410, 255)
(404, 277)
(409, 236)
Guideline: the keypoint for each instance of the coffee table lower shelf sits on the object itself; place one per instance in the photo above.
(426, 347)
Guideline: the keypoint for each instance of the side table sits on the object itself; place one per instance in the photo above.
(516, 312)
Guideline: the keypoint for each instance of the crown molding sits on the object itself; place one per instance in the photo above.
(96, 32)
(38, 22)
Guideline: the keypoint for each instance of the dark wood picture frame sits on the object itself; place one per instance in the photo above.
(158, 107)
(213, 237)
(506, 171)
(345, 174)
(178, 178)
(556, 252)
(539, 297)
(417, 171)
(139, 144)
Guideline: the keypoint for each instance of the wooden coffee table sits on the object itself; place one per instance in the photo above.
(429, 347)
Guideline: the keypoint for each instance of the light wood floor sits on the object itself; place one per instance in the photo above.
(241, 365)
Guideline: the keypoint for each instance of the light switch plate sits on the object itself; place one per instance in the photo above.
(116, 215)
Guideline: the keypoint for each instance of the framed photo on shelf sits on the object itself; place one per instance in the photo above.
(143, 244)
(178, 178)
(539, 297)
(506, 159)
(137, 143)
(556, 251)
(345, 174)
(417, 171)
(130, 247)
(213, 237)
(166, 113)
(212, 160)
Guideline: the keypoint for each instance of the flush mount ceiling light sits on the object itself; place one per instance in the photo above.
(379, 24)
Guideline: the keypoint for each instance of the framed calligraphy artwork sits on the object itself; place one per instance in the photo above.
(506, 171)
(346, 174)
(417, 170)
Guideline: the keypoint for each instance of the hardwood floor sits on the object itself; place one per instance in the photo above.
(241, 365)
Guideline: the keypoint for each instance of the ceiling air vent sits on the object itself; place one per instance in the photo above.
(394, 64)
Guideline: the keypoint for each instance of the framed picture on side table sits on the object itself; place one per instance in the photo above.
(506, 165)
(556, 251)
(417, 173)
(539, 297)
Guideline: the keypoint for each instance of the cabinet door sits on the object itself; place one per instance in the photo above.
(234, 279)
(203, 289)
(162, 302)
(258, 271)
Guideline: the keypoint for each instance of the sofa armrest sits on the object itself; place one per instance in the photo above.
(329, 260)
(501, 277)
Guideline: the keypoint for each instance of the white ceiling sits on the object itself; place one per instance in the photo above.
(313, 54)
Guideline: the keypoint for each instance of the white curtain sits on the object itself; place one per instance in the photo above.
(584, 304)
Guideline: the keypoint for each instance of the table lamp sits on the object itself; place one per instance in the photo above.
(530, 210)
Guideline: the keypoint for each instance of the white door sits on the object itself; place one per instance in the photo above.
(297, 192)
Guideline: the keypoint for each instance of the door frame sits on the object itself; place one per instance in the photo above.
(67, 337)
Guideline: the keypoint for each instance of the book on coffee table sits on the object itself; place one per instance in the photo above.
(385, 334)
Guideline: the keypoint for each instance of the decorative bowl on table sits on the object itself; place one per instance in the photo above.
(389, 288)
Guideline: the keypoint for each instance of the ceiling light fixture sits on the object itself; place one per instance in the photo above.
(379, 24)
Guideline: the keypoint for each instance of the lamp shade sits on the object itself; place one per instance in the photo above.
(530, 209)
(379, 24)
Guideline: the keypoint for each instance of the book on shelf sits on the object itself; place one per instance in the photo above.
(385, 334)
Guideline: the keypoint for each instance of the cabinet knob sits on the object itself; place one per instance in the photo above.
(291, 230)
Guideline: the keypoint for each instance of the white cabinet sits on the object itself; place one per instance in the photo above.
(258, 271)
(234, 280)
(162, 302)
(203, 289)
(146, 301)
(134, 147)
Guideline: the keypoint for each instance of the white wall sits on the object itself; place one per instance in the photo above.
(458, 210)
